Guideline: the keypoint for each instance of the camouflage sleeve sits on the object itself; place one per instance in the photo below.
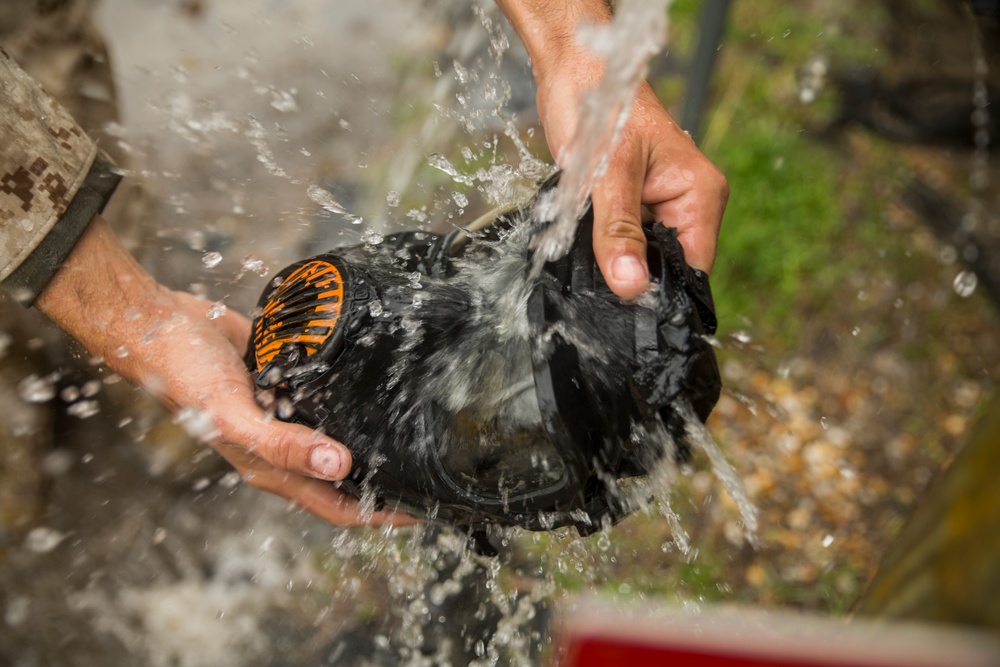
(53, 180)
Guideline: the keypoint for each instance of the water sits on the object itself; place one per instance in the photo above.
(198, 569)
(638, 33)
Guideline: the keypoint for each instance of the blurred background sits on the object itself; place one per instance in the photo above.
(857, 286)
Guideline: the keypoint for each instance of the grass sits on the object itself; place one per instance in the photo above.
(779, 228)
(786, 218)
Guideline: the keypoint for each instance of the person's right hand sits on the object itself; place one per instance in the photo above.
(655, 163)
(164, 341)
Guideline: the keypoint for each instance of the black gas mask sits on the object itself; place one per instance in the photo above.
(471, 391)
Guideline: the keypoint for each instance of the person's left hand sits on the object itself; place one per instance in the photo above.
(166, 342)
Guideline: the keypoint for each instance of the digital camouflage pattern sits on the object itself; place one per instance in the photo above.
(45, 159)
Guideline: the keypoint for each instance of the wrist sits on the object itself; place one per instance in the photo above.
(103, 297)
(549, 33)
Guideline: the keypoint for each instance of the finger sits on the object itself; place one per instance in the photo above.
(696, 213)
(292, 447)
(323, 500)
(619, 242)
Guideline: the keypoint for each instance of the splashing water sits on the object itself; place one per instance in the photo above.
(326, 201)
(699, 435)
(637, 33)
(431, 574)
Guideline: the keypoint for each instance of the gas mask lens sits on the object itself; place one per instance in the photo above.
(502, 452)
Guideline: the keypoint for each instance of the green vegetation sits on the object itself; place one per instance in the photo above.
(785, 220)
(780, 227)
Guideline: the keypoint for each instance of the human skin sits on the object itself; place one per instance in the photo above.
(655, 162)
(164, 341)
(172, 348)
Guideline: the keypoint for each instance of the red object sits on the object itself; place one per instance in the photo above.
(600, 634)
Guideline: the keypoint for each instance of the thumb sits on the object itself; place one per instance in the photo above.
(619, 242)
(291, 447)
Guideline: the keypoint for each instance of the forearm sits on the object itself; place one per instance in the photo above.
(105, 299)
(548, 29)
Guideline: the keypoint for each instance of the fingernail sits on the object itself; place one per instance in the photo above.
(627, 268)
(326, 462)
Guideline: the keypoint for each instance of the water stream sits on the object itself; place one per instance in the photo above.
(637, 34)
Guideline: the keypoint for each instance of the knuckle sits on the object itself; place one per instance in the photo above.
(278, 450)
(624, 229)
(717, 182)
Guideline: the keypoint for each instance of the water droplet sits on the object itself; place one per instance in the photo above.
(284, 101)
(17, 611)
(254, 265)
(285, 408)
(230, 480)
(42, 540)
(824, 422)
(217, 310)
(57, 463)
(855, 331)
(414, 214)
(742, 337)
(460, 199)
(83, 409)
(211, 259)
(827, 541)
(34, 389)
(372, 236)
(197, 423)
(965, 283)
(70, 393)
(392, 198)
(325, 200)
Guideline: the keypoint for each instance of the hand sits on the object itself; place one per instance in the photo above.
(164, 341)
(655, 162)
